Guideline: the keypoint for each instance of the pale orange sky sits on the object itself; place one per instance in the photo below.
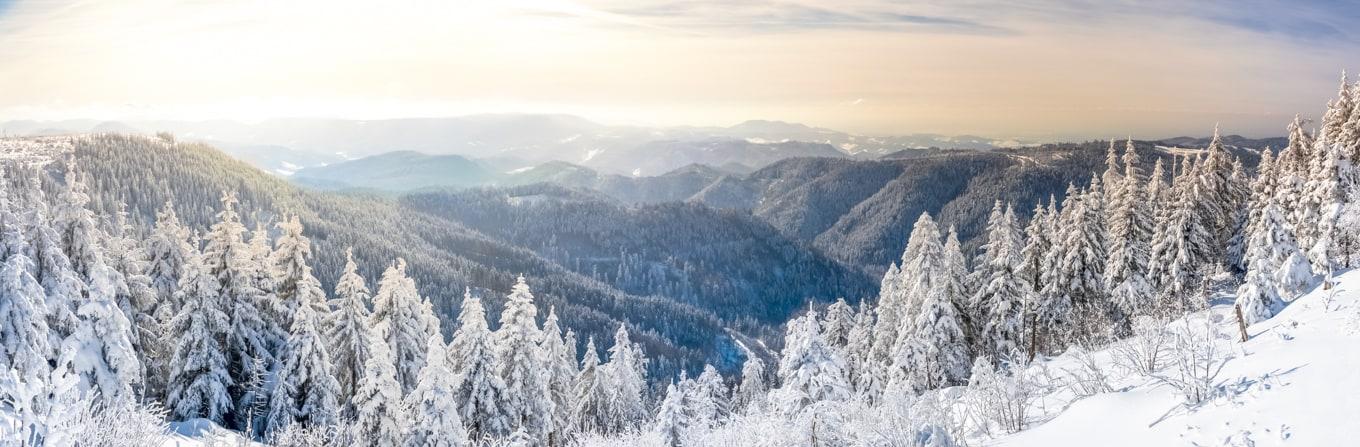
(1028, 69)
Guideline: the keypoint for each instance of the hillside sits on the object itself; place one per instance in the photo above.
(444, 255)
(1291, 383)
(726, 262)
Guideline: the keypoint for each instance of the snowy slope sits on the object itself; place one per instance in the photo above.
(1292, 384)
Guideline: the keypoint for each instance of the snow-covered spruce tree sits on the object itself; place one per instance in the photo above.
(1179, 253)
(809, 370)
(1325, 189)
(836, 325)
(749, 397)
(859, 341)
(1046, 309)
(1001, 290)
(1081, 266)
(1263, 190)
(1055, 309)
(294, 283)
(273, 311)
(52, 268)
(1240, 187)
(167, 249)
(1289, 179)
(379, 411)
(1130, 227)
(713, 405)
(520, 361)
(1112, 175)
(590, 413)
(1157, 192)
(435, 420)
(956, 280)
(398, 309)
(1217, 199)
(896, 303)
(199, 378)
(1258, 297)
(671, 417)
(249, 339)
(923, 272)
(304, 392)
(136, 298)
(347, 333)
(626, 376)
(560, 372)
(480, 391)
(23, 324)
(112, 369)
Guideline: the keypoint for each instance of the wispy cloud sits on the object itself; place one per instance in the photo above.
(1073, 67)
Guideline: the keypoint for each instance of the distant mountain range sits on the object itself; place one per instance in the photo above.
(284, 146)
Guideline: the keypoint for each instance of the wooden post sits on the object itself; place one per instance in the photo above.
(1241, 323)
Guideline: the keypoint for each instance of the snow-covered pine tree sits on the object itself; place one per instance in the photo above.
(671, 419)
(1130, 238)
(167, 249)
(931, 340)
(1325, 188)
(199, 378)
(749, 397)
(380, 413)
(873, 368)
(895, 303)
(347, 333)
(1112, 175)
(1034, 268)
(933, 352)
(112, 368)
(1218, 199)
(480, 391)
(561, 372)
(52, 268)
(435, 419)
(398, 309)
(809, 370)
(1157, 191)
(626, 379)
(1275, 263)
(1240, 187)
(591, 411)
(134, 295)
(1290, 172)
(1179, 250)
(23, 322)
(957, 282)
(1079, 277)
(1053, 306)
(1001, 290)
(305, 391)
(836, 325)
(294, 283)
(520, 361)
(249, 339)
(713, 405)
(273, 311)
(860, 341)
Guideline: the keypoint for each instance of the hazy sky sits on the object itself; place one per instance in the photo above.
(1016, 68)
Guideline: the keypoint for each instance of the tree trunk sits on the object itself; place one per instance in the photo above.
(1241, 323)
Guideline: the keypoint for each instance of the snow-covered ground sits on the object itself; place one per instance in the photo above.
(1293, 383)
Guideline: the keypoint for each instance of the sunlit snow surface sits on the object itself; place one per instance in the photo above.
(34, 150)
(1295, 382)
